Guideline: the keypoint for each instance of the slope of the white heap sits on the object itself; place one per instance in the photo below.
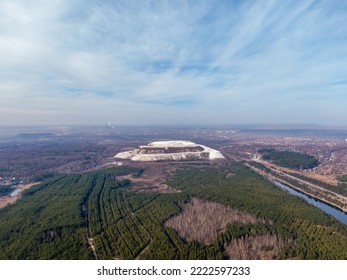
(205, 153)
(127, 154)
(214, 154)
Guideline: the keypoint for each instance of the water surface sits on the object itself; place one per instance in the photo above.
(329, 209)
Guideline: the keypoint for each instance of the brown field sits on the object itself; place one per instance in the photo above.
(203, 220)
(6, 200)
(153, 178)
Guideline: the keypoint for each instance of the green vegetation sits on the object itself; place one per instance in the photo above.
(343, 178)
(340, 188)
(54, 220)
(5, 190)
(46, 223)
(310, 228)
(260, 166)
(44, 177)
(288, 159)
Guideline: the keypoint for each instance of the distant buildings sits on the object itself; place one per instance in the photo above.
(108, 127)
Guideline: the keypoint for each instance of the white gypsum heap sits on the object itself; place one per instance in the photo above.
(171, 150)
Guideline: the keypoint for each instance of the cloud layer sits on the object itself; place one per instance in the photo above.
(173, 62)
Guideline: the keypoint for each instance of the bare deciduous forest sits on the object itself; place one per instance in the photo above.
(264, 247)
(202, 220)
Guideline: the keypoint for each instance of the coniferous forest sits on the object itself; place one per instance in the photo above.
(289, 159)
(99, 215)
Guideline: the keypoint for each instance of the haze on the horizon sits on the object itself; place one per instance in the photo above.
(173, 62)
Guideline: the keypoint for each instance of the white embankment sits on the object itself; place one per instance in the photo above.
(198, 152)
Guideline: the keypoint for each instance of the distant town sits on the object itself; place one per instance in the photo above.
(28, 155)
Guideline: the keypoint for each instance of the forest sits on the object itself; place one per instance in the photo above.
(100, 215)
(343, 178)
(289, 159)
(5, 190)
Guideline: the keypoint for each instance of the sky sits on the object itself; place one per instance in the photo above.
(173, 62)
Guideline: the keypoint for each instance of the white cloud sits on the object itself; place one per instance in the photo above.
(173, 61)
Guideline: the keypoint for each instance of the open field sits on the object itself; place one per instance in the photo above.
(6, 200)
(153, 177)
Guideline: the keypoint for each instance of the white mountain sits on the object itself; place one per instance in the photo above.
(171, 150)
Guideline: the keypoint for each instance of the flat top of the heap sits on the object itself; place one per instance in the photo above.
(166, 144)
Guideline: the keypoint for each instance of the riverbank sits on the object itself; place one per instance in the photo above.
(321, 199)
(274, 178)
(329, 209)
(344, 210)
(7, 200)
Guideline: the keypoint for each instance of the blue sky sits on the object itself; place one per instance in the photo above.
(173, 62)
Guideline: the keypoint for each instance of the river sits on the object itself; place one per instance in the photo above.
(15, 192)
(331, 210)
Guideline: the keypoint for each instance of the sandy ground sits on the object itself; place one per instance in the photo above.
(5, 200)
